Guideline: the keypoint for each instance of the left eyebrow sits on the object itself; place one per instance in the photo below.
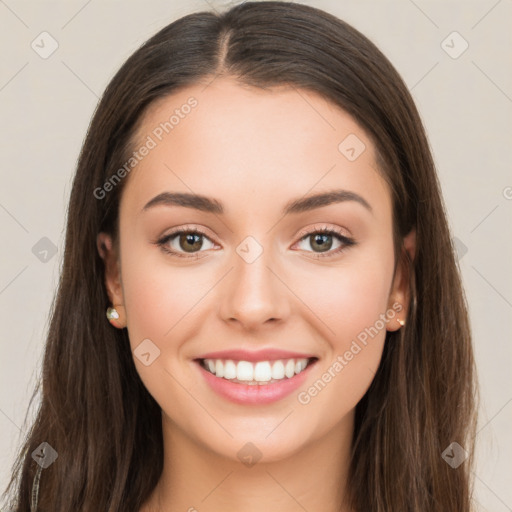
(312, 202)
(211, 205)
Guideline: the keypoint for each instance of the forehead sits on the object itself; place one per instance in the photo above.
(251, 147)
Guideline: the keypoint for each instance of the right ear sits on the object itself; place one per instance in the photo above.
(110, 258)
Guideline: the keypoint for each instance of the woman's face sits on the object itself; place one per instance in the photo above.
(259, 276)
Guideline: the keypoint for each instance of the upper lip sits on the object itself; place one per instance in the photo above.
(269, 354)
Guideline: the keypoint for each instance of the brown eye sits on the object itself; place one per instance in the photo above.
(185, 241)
(190, 242)
(321, 242)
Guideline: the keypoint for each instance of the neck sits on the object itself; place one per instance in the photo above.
(196, 479)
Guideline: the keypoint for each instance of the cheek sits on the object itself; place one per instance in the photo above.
(158, 298)
(347, 299)
(161, 305)
(352, 307)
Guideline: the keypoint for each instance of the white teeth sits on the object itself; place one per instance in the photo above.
(262, 371)
(300, 365)
(259, 372)
(229, 370)
(278, 370)
(244, 370)
(289, 368)
(219, 368)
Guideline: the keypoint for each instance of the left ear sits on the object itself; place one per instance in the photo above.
(400, 291)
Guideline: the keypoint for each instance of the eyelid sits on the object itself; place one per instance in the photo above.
(187, 228)
(319, 228)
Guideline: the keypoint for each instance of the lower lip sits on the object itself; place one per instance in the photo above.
(257, 393)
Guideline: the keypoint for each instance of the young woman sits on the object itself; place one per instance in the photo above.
(259, 306)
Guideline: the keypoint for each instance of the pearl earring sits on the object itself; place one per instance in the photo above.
(112, 314)
(401, 322)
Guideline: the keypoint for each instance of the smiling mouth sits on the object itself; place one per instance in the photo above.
(256, 373)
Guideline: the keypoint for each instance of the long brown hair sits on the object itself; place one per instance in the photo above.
(96, 413)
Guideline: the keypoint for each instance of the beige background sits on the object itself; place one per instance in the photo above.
(465, 102)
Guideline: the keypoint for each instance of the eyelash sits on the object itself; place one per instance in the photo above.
(346, 241)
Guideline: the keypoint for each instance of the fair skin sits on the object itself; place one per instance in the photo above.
(254, 151)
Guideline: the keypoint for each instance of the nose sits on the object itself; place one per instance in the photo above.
(254, 293)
